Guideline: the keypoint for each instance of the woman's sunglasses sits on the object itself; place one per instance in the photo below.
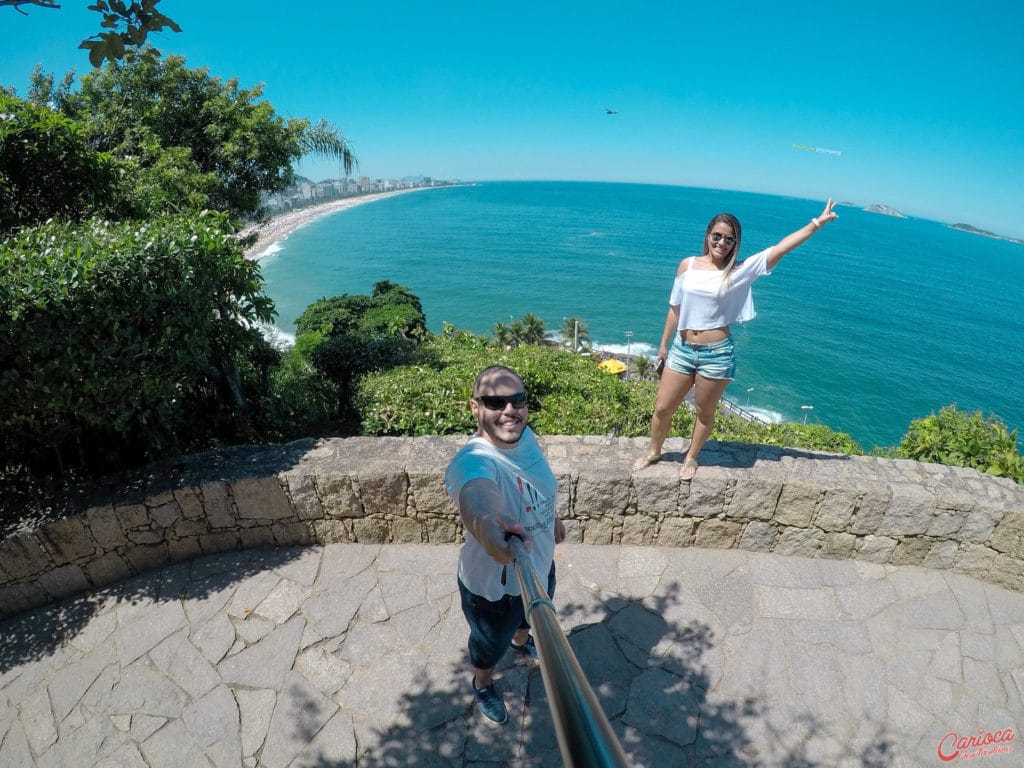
(498, 402)
(729, 239)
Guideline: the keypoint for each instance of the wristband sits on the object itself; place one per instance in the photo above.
(816, 223)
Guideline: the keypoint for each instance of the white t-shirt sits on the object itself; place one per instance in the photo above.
(703, 305)
(528, 490)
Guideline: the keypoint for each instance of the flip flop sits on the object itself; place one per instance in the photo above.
(645, 461)
(689, 469)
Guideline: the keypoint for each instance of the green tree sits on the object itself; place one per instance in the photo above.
(126, 25)
(186, 129)
(348, 336)
(575, 331)
(125, 341)
(48, 170)
(503, 335)
(390, 310)
(533, 330)
(644, 366)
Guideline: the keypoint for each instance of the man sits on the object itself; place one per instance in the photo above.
(502, 485)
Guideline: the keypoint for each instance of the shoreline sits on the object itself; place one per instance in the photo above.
(280, 226)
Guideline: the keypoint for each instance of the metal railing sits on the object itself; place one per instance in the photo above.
(739, 410)
(585, 737)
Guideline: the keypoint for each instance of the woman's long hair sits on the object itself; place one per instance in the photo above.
(732, 221)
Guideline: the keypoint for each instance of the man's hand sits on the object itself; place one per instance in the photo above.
(480, 506)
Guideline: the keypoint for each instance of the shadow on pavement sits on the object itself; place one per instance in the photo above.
(653, 684)
(41, 632)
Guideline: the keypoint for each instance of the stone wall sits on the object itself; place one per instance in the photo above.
(383, 490)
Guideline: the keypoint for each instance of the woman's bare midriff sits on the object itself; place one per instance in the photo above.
(706, 336)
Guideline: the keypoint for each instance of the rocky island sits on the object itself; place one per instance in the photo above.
(984, 233)
(885, 210)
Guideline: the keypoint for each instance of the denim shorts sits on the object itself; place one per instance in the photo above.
(712, 361)
(493, 624)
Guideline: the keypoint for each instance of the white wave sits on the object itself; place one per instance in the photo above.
(636, 349)
(765, 414)
(271, 250)
(279, 340)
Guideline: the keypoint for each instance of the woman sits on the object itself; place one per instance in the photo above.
(710, 293)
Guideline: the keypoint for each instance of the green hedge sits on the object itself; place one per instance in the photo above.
(114, 334)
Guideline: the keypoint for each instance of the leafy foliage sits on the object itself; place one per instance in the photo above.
(188, 131)
(390, 310)
(574, 331)
(960, 439)
(128, 27)
(48, 170)
(568, 394)
(124, 341)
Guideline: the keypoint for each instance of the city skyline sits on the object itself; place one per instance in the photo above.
(908, 105)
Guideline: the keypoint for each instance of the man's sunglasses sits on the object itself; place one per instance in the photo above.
(498, 402)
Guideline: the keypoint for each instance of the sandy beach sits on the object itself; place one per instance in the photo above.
(282, 225)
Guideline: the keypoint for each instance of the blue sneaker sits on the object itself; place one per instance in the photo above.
(529, 648)
(490, 703)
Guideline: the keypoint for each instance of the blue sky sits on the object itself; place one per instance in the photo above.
(922, 98)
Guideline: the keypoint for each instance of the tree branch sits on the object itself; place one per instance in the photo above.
(16, 3)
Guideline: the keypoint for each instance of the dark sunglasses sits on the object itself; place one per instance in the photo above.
(498, 402)
(729, 240)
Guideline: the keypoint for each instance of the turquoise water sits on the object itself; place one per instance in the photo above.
(874, 322)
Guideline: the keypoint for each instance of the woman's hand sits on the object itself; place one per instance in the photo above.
(828, 214)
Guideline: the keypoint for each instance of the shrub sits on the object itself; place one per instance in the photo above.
(120, 340)
(48, 170)
(961, 439)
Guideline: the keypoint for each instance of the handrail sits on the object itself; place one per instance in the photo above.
(742, 412)
(585, 737)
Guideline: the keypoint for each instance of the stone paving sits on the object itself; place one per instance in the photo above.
(353, 655)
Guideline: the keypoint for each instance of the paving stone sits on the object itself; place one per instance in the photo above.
(282, 602)
(774, 602)
(303, 567)
(143, 726)
(148, 629)
(127, 756)
(70, 683)
(37, 717)
(252, 628)
(14, 749)
(213, 719)
(214, 638)
(250, 592)
(332, 610)
(333, 745)
(323, 669)
(94, 740)
(177, 658)
(144, 690)
(850, 664)
(174, 747)
(255, 709)
(645, 708)
(265, 664)
(300, 713)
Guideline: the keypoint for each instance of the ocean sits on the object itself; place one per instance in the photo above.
(872, 323)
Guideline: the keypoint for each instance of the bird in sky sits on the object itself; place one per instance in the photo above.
(610, 111)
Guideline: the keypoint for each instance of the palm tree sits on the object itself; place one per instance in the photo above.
(643, 366)
(503, 336)
(532, 329)
(324, 139)
(574, 333)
